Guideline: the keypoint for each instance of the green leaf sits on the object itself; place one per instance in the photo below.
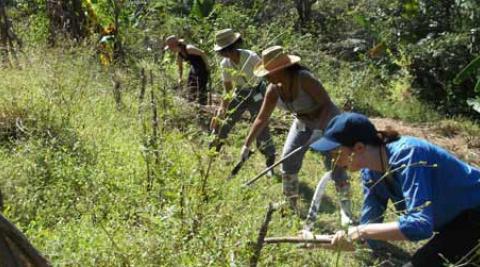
(474, 103)
(202, 8)
(477, 87)
(469, 69)
(361, 20)
(411, 9)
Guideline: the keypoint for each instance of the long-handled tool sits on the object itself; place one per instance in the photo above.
(317, 239)
(317, 199)
(265, 171)
(239, 165)
(253, 180)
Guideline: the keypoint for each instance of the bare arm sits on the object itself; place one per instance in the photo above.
(314, 88)
(268, 105)
(180, 67)
(376, 231)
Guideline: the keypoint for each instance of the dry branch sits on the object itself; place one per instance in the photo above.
(319, 239)
(143, 85)
(9, 41)
(117, 94)
(257, 248)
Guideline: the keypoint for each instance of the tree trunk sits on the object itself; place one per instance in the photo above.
(118, 53)
(304, 10)
(9, 41)
(66, 17)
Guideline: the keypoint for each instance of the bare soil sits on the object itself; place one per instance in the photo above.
(461, 144)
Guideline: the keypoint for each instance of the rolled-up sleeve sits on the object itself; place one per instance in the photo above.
(374, 206)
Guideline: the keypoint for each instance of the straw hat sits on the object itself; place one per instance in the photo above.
(274, 59)
(171, 40)
(225, 38)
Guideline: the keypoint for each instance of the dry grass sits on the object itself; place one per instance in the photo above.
(12, 121)
(448, 134)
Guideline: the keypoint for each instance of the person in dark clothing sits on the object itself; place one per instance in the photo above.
(199, 71)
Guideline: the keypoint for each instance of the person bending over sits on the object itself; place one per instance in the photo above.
(437, 195)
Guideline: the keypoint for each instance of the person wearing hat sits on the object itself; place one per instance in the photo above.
(199, 71)
(295, 89)
(435, 193)
(237, 72)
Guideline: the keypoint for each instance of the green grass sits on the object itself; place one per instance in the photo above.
(75, 182)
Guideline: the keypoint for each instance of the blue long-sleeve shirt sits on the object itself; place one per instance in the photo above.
(429, 185)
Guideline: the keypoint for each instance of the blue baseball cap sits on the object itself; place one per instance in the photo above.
(346, 129)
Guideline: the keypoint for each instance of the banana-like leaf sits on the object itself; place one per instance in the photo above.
(474, 103)
(477, 87)
(467, 71)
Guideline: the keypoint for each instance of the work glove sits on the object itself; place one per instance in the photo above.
(306, 234)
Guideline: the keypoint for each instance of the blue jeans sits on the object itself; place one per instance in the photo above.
(298, 136)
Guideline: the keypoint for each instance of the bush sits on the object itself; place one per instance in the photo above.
(434, 63)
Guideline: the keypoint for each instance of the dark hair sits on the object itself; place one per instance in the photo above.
(234, 46)
(295, 68)
(387, 136)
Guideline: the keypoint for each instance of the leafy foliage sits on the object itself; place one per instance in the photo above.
(470, 69)
(202, 8)
(92, 181)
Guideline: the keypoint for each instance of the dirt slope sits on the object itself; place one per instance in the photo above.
(447, 136)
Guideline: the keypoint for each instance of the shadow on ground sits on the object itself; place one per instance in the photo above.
(387, 255)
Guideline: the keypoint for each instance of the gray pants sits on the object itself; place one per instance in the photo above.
(299, 136)
(251, 100)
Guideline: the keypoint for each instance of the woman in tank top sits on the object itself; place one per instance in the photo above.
(295, 89)
(199, 72)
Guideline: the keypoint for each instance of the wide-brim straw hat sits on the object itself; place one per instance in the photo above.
(274, 59)
(224, 38)
(171, 39)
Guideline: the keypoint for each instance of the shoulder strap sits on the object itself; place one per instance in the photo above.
(389, 181)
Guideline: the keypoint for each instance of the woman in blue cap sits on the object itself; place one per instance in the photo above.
(436, 193)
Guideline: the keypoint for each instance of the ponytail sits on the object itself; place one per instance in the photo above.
(387, 136)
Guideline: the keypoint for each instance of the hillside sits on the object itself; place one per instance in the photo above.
(109, 165)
